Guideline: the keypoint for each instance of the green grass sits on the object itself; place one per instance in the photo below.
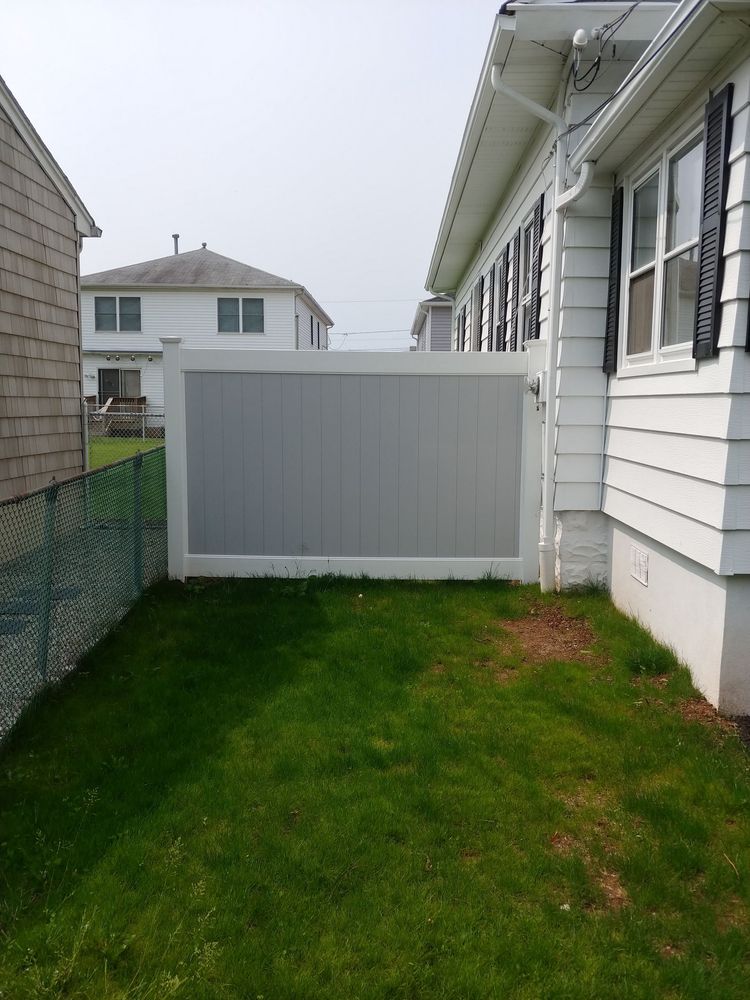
(351, 789)
(112, 490)
(104, 450)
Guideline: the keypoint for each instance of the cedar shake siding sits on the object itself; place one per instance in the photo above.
(40, 358)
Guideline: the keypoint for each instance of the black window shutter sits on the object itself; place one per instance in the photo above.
(491, 308)
(717, 129)
(502, 300)
(476, 315)
(536, 269)
(462, 329)
(613, 289)
(516, 256)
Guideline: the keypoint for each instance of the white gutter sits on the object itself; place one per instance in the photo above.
(562, 199)
(686, 28)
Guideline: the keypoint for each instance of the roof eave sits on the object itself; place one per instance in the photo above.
(497, 52)
(648, 74)
(84, 221)
(311, 301)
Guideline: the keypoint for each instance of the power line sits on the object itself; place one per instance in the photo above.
(366, 333)
(338, 302)
(628, 80)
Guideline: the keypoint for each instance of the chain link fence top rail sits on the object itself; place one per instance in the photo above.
(73, 558)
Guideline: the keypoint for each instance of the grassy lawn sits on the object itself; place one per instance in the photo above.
(103, 450)
(352, 789)
(111, 490)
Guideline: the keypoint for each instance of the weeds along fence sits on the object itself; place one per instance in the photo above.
(73, 558)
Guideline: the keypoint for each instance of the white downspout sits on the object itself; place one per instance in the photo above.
(562, 199)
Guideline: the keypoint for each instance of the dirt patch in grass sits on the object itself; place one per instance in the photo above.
(671, 951)
(501, 675)
(732, 915)
(615, 894)
(699, 710)
(547, 633)
(659, 681)
(607, 879)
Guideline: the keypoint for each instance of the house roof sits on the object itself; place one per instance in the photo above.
(85, 224)
(530, 43)
(196, 269)
(202, 268)
(422, 309)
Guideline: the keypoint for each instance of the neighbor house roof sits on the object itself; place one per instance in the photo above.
(85, 224)
(530, 43)
(196, 269)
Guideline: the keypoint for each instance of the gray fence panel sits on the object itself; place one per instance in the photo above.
(353, 465)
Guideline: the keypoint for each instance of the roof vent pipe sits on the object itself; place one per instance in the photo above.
(176, 238)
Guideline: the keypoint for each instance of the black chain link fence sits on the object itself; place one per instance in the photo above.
(73, 558)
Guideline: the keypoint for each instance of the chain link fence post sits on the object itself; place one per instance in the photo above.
(138, 523)
(44, 601)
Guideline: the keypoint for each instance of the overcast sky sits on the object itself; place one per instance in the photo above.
(314, 140)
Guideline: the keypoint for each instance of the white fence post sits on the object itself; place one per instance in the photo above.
(174, 439)
(531, 488)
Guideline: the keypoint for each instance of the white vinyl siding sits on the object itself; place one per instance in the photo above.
(192, 315)
(440, 327)
(677, 462)
(308, 328)
(151, 374)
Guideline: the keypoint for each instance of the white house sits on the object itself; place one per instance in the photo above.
(431, 328)
(207, 299)
(599, 218)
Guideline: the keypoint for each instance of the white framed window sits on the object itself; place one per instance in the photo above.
(230, 311)
(660, 254)
(117, 313)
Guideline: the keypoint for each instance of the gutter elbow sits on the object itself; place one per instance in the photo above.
(579, 189)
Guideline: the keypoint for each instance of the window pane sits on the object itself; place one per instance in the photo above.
(645, 205)
(131, 382)
(680, 280)
(252, 315)
(229, 315)
(130, 313)
(640, 313)
(683, 202)
(105, 312)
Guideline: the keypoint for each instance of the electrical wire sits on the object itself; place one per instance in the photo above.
(607, 33)
(626, 83)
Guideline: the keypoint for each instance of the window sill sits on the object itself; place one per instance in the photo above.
(657, 367)
(237, 333)
(111, 332)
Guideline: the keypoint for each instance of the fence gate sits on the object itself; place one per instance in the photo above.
(395, 465)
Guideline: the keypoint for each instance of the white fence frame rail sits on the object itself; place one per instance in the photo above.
(179, 361)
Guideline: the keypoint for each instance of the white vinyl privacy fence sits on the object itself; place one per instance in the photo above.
(394, 465)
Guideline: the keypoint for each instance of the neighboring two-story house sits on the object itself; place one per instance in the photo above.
(42, 223)
(205, 298)
(431, 328)
(599, 218)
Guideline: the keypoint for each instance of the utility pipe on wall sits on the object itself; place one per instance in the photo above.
(562, 199)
